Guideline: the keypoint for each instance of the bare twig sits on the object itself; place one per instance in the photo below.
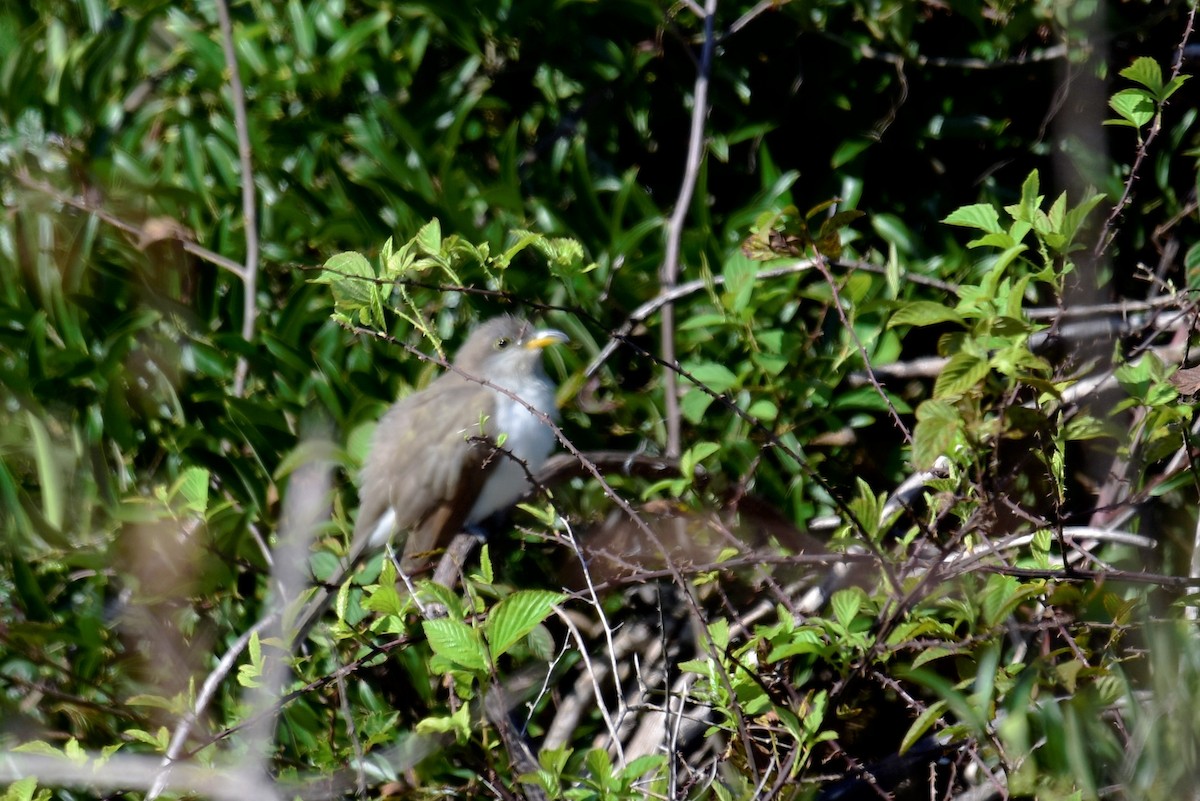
(137, 232)
(823, 268)
(249, 204)
(669, 274)
(668, 296)
(133, 771)
(165, 776)
(306, 508)
(1108, 232)
(594, 599)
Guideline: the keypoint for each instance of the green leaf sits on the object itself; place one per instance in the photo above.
(716, 377)
(929, 716)
(250, 675)
(695, 455)
(193, 486)
(764, 410)
(1145, 71)
(924, 312)
(516, 616)
(1172, 87)
(894, 231)
(937, 427)
(457, 642)
(848, 150)
(429, 239)
(1136, 107)
(1026, 210)
(350, 276)
(694, 404)
(599, 765)
(962, 373)
(846, 605)
(30, 592)
(980, 215)
(541, 643)
(20, 790)
(50, 478)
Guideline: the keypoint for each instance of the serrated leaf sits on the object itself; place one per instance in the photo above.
(846, 605)
(516, 616)
(193, 487)
(937, 427)
(979, 215)
(429, 239)
(924, 312)
(1136, 106)
(486, 573)
(961, 374)
(351, 277)
(1145, 71)
(21, 790)
(541, 643)
(457, 642)
(1172, 87)
(930, 654)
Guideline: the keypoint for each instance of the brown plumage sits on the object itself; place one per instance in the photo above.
(434, 469)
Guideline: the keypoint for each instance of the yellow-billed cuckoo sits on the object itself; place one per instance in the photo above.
(434, 468)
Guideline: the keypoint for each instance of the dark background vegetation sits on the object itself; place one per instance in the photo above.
(153, 421)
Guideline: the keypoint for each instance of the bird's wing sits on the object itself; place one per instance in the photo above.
(426, 468)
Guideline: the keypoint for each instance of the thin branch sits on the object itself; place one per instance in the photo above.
(249, 205)
(594, 600)
(138, 233)
(669, 274)
(306, 508)
(668, 296)
(862, 351)
(124, 771)
(1107, 231)
(760, 7)
(1054, 53)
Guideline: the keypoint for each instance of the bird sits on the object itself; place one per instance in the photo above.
(445, 458)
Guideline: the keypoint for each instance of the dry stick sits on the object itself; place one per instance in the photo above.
(823, 268)
(207, 691)
(1053, 53)
(668, 296)
(139, 233)
(249, 205)
(305, 510)
(749, 16)
(608, 632)
(124, 771)
(669, 274)
(591, 671)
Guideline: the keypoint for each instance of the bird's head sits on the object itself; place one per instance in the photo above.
(506, 349)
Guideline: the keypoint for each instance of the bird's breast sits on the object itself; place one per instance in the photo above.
(526, 437)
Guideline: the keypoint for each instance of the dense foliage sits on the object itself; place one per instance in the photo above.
(879, 473)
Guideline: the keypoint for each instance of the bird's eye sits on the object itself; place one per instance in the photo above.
(502, 343)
